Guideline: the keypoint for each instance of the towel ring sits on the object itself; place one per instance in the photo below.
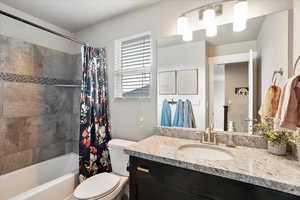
(296, 63)
(274, 78)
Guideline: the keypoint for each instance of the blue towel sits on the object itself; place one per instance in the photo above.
(188, 115)
(178, 118)
(166, 114)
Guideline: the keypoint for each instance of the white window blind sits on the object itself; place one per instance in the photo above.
(134, 67)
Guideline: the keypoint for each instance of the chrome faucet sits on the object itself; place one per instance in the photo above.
(211, 138)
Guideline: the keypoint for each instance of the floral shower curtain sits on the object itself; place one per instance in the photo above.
(94, 115)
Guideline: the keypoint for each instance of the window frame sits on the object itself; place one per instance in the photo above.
(118, 67)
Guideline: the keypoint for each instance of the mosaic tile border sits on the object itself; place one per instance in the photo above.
(11, 77)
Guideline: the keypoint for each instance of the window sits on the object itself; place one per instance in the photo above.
(133, 66)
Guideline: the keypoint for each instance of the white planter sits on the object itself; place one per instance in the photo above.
(277, 149)
(298, 152)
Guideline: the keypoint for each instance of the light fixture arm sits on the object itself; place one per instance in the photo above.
(211, 5)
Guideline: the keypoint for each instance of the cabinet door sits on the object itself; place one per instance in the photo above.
(146, 189)
(147, 183)
(260, 193)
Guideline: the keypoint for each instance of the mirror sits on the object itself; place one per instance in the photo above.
(223, 79)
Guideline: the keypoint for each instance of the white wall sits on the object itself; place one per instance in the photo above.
(273, 47)
(161, 20)
(12, 28)
(296, 33)
(233, 48)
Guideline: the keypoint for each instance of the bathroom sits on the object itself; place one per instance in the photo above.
(150, 99)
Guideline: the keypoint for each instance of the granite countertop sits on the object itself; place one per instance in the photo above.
(249, 165)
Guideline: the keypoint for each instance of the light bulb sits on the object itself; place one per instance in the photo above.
(209, 20)
(184, 28)
(188, 34)
(211, 31)
(182, 24)
(240, 16)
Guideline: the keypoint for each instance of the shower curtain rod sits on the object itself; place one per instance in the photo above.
(41, 27)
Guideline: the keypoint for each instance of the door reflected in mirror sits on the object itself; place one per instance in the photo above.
(231, 97)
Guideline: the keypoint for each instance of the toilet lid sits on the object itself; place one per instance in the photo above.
(97, 186)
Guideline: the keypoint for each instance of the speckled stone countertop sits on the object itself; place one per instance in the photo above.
(249, 165)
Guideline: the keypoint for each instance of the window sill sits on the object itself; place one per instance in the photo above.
(129, 99)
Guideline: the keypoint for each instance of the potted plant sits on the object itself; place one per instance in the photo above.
(297, 140)
(277, 140)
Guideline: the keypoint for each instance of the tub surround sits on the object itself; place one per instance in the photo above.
(37, 120)
(249, 165)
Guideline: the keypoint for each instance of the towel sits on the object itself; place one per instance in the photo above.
(178, 117)
(188, 115)
(288, 114)
(166, 114)
(269, 106)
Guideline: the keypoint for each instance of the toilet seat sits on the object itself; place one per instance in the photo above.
(97, 186)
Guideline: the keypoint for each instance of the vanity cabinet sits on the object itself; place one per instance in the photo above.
(156, 181)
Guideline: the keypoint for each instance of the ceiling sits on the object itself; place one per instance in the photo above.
(75, 15)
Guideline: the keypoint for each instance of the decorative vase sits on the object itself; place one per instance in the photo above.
(277, 149)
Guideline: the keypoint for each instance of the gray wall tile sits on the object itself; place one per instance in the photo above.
(63, 127)
(1, 98)
(51, 151)
(76, 67)
(16, 161)
(18, 56)
(69, 146)
(75, 125)
(54, 64)
(8, 143)
(76, 100)
(59, 99)
(76, 146)
(24, 99)
(3, 52)
(37, 122)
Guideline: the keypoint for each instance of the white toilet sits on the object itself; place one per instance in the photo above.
(107, 186)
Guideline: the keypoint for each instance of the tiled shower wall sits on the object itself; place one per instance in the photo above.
(38, 121)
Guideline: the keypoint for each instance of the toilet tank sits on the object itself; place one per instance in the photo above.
(119, 159)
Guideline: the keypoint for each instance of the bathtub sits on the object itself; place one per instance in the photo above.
(54, 179)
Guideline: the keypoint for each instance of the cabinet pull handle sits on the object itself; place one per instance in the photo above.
(143, 169)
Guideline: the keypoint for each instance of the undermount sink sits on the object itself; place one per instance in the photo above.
(203, 152)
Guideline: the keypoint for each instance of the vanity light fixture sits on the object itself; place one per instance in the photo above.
(240, 16)
(208, 14)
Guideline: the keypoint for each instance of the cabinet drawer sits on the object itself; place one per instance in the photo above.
(261, 193)
(144, 169)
